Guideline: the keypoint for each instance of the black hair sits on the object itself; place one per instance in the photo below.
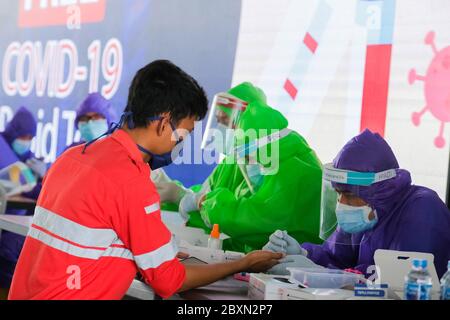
(162, 87)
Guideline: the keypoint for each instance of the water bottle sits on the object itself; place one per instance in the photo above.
(445, 284)
(418, 282)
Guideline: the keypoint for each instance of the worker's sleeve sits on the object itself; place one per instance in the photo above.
(281, 203)
(424, 227)
(149, 240)
(34, 193)
(337, 252)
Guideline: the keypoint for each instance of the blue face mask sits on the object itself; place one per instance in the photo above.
(354, 219)
(21, 147)
(162, 160)
(92, 129)
(255, 175)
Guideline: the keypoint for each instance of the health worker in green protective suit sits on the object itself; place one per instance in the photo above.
(270, 178)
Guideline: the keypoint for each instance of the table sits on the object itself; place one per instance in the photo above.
(16, 224)
(227, 289)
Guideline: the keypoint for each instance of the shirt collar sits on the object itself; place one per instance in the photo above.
(125, 140)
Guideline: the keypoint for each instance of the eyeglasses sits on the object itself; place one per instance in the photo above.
(87, 118)
(176, 135)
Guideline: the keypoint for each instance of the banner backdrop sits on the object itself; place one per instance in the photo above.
(337, 67)
(53, 53)
(333, 67)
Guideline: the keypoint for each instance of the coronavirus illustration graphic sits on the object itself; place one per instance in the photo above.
(437, 88)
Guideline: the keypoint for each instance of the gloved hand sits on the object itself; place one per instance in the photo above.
(280, 241)
(169, 191)
(39, 167)
(189, 203)
(292, 261)
(204, 214)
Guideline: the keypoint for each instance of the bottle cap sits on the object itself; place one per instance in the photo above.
(420, 263)
(424, 264)
(215, 233)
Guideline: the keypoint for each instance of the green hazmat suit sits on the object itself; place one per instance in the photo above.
(288, 200)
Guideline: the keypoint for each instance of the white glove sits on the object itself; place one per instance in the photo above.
(39, 167)
(169, 191)
(280, 241)
(292, 261)
(189, 203)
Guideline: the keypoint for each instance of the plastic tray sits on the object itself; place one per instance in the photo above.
(323, 278)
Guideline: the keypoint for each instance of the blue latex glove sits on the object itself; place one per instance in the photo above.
(280, 241)
(292, 261)
(39, 167)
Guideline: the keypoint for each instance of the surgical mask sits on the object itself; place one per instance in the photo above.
(354, 219)
(92, 129)
(254, 174)
(21, 147)
(162, 160)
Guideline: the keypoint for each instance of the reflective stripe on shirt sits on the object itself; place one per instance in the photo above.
(154, 259)
(152, 208)
(75, 239)
(72, 231)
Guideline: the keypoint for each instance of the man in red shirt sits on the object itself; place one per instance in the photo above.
(97, 221)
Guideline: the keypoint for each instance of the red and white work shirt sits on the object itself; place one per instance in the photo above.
(97, 222)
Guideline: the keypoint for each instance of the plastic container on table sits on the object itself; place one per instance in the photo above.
(323, 278)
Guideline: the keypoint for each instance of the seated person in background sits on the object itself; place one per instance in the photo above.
(15, 144)
(251, 201)
(94, 116)
(377, 207)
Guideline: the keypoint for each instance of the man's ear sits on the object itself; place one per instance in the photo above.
(160, 127)
(163, 123)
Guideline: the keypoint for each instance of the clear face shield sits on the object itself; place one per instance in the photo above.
(247, 156)
(342, 208)
(17, 178)
(223, 117)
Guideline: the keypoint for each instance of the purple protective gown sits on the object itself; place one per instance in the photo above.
(411, 218)
(23, 123)
(95, 102)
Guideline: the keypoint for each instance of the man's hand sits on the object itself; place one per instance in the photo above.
(294, 261)
(182, 255)
(201, 275)
(260, 261)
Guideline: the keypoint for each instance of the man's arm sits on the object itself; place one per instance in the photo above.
(201, 275)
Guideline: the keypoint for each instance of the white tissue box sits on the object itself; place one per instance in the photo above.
(267, 287)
